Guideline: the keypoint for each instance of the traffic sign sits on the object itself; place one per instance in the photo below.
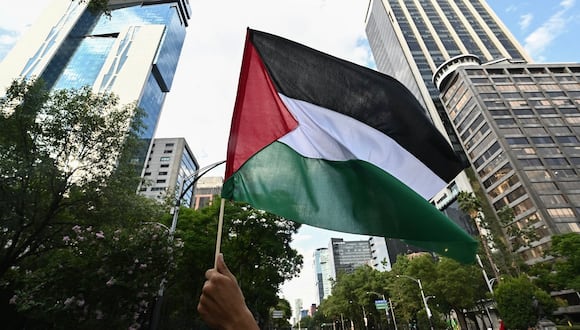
(381, 304)
(277, 314)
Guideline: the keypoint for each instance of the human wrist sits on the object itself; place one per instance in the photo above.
(245, 321)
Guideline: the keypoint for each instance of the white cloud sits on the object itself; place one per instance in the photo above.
(525, 20)
(537, 41)
(567, 4)
(511, 8)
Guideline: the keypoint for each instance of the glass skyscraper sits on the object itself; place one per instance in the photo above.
(411, 39)
(132, 53)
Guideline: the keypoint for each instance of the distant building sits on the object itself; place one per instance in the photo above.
(520, 127)
(206, 189)
(379, 254)
(170, 161)
(312, 310)
(297, 310)
(323, 274)
(346, 256)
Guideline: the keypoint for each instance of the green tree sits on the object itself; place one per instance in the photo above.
(458, 287)
(354, 293)
(256, 247)
(282, 323)
(75, 251)
(563, 272)
(521, 303)
(105, 277)
(57, 153)
(566, 249)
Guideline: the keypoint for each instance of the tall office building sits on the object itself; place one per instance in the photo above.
(346, 256)
(411, 39)
(133, 53)
(322, 274)
(520, 127)
(170, 162)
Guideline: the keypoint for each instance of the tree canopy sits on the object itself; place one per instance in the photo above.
(74, 248)
(256, 247)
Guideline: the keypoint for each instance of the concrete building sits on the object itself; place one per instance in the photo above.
(379, 254)
(170, 161)
(520, 127)
(206, 189)
(411, 39)
(346, 256)
(133, 53)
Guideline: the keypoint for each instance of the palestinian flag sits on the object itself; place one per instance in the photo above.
(331, 144)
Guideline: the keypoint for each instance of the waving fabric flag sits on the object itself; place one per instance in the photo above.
(334, 145)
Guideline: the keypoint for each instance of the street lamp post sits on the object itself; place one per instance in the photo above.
(179, 196)
(181, 192)
(387, 309)
(418, 281)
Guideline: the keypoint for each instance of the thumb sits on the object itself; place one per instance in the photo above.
(222, 268)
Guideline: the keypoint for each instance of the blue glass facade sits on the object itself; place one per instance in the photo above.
(187, 168)
(82, 54)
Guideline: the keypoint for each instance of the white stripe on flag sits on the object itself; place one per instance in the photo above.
(329, 135)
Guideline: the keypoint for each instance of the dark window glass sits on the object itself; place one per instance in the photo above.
(567, 139)
(556, 161)
(542, 139)
(516, 140)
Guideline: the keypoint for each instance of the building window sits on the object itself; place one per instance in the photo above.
(523, 112)
(535, 131)
(553, 199)
(556, 161)
(538, 175)
(147, 174)
(530, 162)
(158, 189)
(162, 173)
(544, 187)
(167, 151)
(575, 160)
(523, 207)
(169, 144)
(564, 212)
(165, 159)
(542, 139)
(567, 139)
(161, 181)
(164, 165)
(516, 140)
(546, 111)
(564, 173)
(505, 122)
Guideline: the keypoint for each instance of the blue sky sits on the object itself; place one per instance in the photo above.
(547, 29)
(200, 103)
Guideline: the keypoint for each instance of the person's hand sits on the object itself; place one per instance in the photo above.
(222, 304)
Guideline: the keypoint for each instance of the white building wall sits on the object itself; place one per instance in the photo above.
(46, 35)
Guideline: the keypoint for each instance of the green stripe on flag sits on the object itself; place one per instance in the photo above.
(334, 194)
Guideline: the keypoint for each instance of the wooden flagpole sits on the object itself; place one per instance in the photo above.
(219, 232)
